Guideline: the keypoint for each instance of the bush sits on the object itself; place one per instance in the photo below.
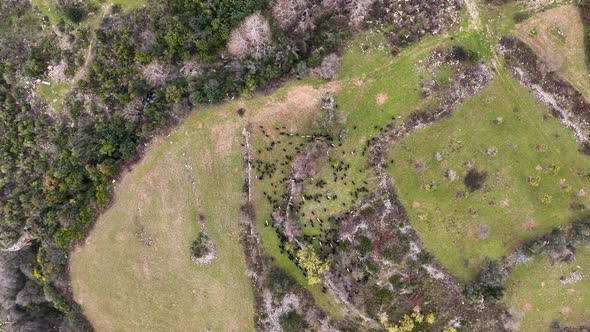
(475, 179)
(292, 322)
(521, 16)
(312, 265)
(279, 281)
(489, 281)
(364, 244)
(75, 13)
(199, 248)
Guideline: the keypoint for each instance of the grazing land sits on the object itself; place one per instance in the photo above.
(510, 136)
(544, 292)
(154, 200)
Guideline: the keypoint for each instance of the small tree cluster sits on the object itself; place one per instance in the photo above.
(288, 12)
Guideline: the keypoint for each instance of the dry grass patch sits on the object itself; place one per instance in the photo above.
(557, 36)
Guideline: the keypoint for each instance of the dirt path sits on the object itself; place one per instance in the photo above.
(90, 52)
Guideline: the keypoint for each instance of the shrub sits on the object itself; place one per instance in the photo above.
(292, 322)
(430, 186)
(534, 181)
(489, 281)
(546, 199)
(312, 265)
(75, 13)
(415, 321)
(475, 179)
(199, 248)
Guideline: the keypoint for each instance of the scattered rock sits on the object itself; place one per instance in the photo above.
(565, 310)
(381, 99)
(499, 120)
(451, 175)
(572, 278)
(530, 224)
(483, 231)
(527, 307)
(491, 151)
(505, 202)
(419, 165)
(329, 66)
(438, 156)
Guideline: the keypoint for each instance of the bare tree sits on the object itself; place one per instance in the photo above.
(250, 38)
(156, 73)
(358, 10)
(289, 12)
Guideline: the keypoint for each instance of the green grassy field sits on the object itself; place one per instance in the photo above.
(374, 88)
(536, 291)
(295, 106)
(55, 93)
(459, 227)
